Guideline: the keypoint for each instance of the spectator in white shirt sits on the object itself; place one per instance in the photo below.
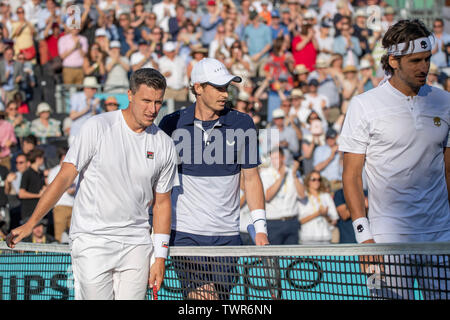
(173, 68)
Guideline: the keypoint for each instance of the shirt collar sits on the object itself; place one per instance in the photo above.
(187, 116)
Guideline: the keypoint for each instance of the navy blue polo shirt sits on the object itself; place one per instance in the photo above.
(211, 156)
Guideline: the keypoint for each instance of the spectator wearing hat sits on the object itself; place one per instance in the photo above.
(296, 99)
(327, 160)
(301, 74)
(117, 68)
(45, 127)
(111, 104)
(288, 140)
(433, 76)
(265, 12)
(198, 52)
(348, 46)
(209, 22)
(350, 86)
(173, 68)
(11, 74)
(368, 80)
(39, 234)
(388, 19)
(101, 38)
(164, 10)
(7, 140)
(83, 105)
(278, 29)
(324, 41)
(72, 48)
(258, 40)
(317, 102)
(145, 57)
(362, 31)
(329, 88)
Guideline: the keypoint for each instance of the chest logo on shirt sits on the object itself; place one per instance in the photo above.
(150, 155)
(437, 121)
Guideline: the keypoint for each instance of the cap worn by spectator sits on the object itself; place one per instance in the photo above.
(114, 44)
(169, 46)
(433, 69)
(360, 13)
(349, 68)
(142, 41)
(252, 15)
(321, 63)
(331, 133)
(90, 82)
(243, 96)
(212, 71)
(364, 64)
(193, 2)
(43, 107)
(310, 14)
(278, 113)
(389, 10)
(199, 49)
(296, 93)
(100, 33)
(313, 82)
(275, 14)
(301, 69)
(211, 3)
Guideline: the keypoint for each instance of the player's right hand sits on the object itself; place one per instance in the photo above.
(16, 235)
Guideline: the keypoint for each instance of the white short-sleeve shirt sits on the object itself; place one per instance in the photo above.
(403, 139)
(119, 171)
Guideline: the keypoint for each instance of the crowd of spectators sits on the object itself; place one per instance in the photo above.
(301, 61)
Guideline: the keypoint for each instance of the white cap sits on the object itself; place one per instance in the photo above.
(90, 82)
(43, 107)
(212, 71)
(278, 113)
(114, 44)
(101, 33)
(364, 64)
(169, 46)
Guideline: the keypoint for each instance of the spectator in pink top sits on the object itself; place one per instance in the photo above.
(72, 48)
(7, 139)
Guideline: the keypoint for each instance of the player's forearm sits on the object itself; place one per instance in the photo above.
(162, 214)
(254, 192)
(447, 170)
(354, 193)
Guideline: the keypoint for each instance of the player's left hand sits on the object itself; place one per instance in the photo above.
(261, 239)
(156, 276)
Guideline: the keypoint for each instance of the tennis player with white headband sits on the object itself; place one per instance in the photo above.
(399, 131)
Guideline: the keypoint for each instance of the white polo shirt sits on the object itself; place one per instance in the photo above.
(285, 204)
(119, 170)
(404, 139)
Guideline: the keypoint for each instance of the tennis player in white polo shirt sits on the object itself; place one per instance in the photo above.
(125, 164)
(400, 132)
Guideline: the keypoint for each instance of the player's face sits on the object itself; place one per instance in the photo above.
(213, 98)
(413, 69)
(144, 106)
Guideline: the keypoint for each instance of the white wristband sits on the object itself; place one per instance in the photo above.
(161, 245)
(259, 220)
(362, 230)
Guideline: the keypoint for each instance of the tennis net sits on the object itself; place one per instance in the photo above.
(418, 271)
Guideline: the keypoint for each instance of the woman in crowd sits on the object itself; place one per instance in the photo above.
(20, 124)
(318, 215)
(94, 63)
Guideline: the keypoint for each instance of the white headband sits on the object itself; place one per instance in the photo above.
(415, 46)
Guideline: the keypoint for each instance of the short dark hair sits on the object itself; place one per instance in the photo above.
(150, 77)
(62, 151)
(34, 154)
(403, 31)
(31, 139)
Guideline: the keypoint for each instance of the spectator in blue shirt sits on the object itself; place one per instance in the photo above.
(347, 46)
(278, 30)
(326, 160)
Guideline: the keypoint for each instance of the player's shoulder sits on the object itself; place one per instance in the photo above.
(237, 119)
(438, 95)
(103, 121)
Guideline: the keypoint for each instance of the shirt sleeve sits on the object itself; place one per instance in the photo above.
(84, 146)
(169, 173)
(354, 136)
(249, 152)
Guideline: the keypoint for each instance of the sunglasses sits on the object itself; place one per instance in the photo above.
(112, 104)
(315, 179)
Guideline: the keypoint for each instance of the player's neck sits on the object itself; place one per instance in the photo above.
(203, 113)
(403, 87)
(131, 122)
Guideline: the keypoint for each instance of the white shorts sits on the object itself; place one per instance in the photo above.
(107, 270)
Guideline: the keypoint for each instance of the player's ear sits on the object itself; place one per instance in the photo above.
(130, 96)
(393, 62)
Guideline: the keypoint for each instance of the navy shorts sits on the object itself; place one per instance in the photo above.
(195, 271)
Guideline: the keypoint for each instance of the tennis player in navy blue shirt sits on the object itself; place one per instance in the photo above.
(215, 145)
